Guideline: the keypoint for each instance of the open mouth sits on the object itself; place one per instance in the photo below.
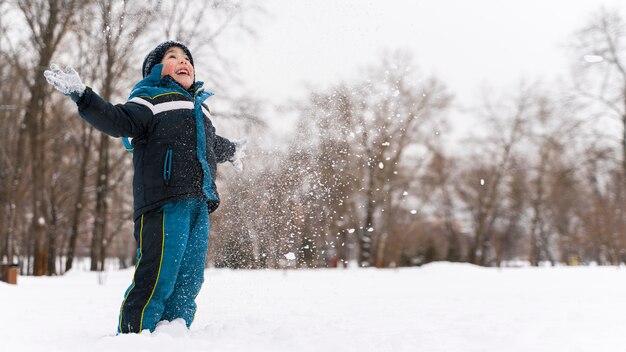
(182, 71)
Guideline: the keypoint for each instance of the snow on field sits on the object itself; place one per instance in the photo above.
(438, 307)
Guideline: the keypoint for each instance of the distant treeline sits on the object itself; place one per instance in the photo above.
(370, 175)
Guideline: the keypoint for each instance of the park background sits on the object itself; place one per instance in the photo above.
(384, 134)
(420, 175)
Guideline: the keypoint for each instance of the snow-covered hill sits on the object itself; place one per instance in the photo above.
(438, 307)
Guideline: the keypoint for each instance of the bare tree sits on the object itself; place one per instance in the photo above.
(47, 23)
(120, 25)
(600, 67)
(483, 188)
(600, 82)
(352, 159)
(13, 135)
(398, 110)
(437, 190)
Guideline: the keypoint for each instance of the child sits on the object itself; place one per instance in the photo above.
(175, 152)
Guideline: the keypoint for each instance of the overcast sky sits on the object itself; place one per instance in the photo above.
(468, 44)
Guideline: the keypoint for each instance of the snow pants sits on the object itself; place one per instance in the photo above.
(172, 245)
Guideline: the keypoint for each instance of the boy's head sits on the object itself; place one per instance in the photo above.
(177, 62)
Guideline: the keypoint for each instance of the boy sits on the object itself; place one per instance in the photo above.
(175, 152)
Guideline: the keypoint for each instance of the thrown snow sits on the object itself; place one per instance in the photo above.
(438, 307)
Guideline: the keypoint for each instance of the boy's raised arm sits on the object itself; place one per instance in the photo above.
(122, 120)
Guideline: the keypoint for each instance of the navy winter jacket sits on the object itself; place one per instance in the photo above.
(173, 158)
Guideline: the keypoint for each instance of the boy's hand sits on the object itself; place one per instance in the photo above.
(67, 82)
(240, 146)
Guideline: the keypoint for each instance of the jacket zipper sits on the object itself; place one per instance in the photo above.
(167, 166)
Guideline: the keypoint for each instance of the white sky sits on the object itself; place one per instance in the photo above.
(468, 44)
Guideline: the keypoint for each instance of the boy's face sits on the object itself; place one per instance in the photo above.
(176, 64)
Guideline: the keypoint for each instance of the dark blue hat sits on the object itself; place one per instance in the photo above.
(155, 56)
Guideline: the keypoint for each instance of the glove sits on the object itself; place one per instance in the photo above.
(67, 82)
(240, 147)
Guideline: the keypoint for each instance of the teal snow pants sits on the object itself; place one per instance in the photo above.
(172, 245)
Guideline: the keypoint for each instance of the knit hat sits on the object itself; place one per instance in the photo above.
(155, 56)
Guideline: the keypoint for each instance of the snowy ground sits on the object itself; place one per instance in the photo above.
(438, 307)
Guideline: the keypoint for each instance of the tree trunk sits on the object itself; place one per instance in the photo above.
(80, 192)
(365, 244)
(100, 217)
(34, 123)
(14, 190)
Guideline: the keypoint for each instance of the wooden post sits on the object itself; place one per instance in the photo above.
(11, 275)
(8, 273)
